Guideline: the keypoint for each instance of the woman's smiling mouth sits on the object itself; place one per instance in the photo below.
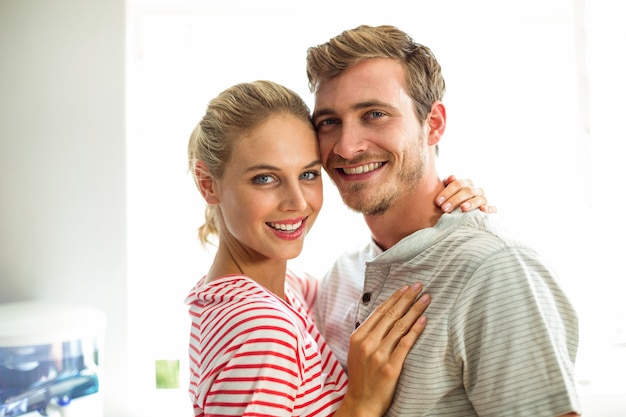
(286, 227)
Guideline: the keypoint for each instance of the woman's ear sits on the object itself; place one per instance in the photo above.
(436, 122)
(206, 183)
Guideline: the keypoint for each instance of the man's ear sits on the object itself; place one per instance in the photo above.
(206, 183)
(436, 122)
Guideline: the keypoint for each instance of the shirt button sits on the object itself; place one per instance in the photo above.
(366, 297)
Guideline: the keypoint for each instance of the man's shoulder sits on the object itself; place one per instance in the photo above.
(486, 228)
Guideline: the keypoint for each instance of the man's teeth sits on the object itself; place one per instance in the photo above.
(286, 227)
(362, 168)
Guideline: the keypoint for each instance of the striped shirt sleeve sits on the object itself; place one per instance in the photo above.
(508, 332)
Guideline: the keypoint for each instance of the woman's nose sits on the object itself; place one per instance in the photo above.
(294, 198)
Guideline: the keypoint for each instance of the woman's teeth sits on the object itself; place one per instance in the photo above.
(286, 227)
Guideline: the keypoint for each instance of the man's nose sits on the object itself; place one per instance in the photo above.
(350, 141)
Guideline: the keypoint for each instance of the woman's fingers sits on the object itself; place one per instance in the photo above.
(466, 197)
(399, 316)
(392, 309)
(463, 194)
(402, 341)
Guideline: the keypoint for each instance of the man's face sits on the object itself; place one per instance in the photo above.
(371, 142)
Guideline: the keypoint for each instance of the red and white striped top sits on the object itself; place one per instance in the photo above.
(253, 354)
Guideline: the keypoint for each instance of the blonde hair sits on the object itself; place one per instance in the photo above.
(235, 112)
(424, 79)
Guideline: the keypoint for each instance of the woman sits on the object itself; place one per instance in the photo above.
(254, 349)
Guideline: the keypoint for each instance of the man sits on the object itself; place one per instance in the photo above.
(502, 336)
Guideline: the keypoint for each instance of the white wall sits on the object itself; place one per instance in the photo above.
(62, 164)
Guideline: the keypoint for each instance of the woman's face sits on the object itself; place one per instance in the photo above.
(271, 190)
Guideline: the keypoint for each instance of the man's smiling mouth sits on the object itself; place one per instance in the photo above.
(362, 169)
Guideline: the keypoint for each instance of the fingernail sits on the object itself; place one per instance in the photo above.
(404, 288)
(425, 298)
(466, 206)
(417, 286)
(440, 200)
(422, 320)
(446, 207)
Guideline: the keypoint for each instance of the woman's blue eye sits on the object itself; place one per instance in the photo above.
(263, 179)
(309, 175)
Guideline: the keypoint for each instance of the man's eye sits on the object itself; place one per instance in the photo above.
(263, 179)
(377, 114)
(327, 122)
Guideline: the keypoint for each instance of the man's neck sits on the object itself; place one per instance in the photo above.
(413, 211)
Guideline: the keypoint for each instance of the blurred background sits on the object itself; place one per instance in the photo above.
(98, 98)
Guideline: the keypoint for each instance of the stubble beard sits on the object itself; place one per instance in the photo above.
(381, 198)
(376, 199)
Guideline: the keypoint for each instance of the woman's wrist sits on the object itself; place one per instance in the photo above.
(352, 407)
